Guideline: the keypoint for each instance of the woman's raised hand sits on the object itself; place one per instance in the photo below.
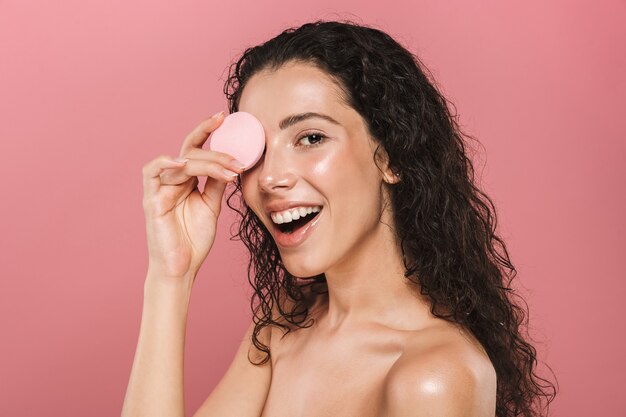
(181, 221)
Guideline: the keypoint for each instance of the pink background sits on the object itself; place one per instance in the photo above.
(91, 91)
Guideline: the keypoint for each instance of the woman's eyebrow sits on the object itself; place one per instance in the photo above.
(297, 118)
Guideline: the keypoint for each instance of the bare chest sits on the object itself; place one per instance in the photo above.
(329, 376)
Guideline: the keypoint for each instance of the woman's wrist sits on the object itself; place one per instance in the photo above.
(159, 286)
(156, 277)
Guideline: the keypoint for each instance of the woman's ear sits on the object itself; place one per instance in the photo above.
(391, 177)
(382, 157)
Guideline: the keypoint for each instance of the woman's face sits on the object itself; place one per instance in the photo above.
(313, 161)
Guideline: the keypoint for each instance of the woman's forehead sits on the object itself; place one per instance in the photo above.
(292, 88)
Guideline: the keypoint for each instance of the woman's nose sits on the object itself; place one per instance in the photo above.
(275, 172)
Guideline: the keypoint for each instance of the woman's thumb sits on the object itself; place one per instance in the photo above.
(214, 190)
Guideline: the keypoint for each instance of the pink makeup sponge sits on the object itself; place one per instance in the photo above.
(240, 135)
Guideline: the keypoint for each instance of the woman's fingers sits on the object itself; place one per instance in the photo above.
(164, 170)
(196, 168)
(152, 173)
(201, 133)
(224, 159)
(214, 165)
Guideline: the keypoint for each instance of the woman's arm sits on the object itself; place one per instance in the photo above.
(156, 381)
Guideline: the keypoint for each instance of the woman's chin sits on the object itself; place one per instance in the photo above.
(300, 269)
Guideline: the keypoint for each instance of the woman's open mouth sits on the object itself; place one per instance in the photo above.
(293, 233)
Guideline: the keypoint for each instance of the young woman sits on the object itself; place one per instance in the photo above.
(393, 300)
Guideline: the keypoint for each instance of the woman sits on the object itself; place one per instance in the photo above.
(379, 289)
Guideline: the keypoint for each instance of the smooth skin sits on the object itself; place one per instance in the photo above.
(375, 349)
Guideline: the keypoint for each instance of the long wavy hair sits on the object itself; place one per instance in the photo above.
(446, 225)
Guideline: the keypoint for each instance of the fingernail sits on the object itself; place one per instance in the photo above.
(217, 115)
(230, 173)
(238, 164)
(181, 160)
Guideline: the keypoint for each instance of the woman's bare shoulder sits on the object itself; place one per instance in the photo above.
(444, 371)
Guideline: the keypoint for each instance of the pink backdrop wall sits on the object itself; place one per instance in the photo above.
(90, 91)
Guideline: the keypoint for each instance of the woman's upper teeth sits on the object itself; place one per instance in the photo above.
(287, 216)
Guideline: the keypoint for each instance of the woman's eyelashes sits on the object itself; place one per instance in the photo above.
(314, 138)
